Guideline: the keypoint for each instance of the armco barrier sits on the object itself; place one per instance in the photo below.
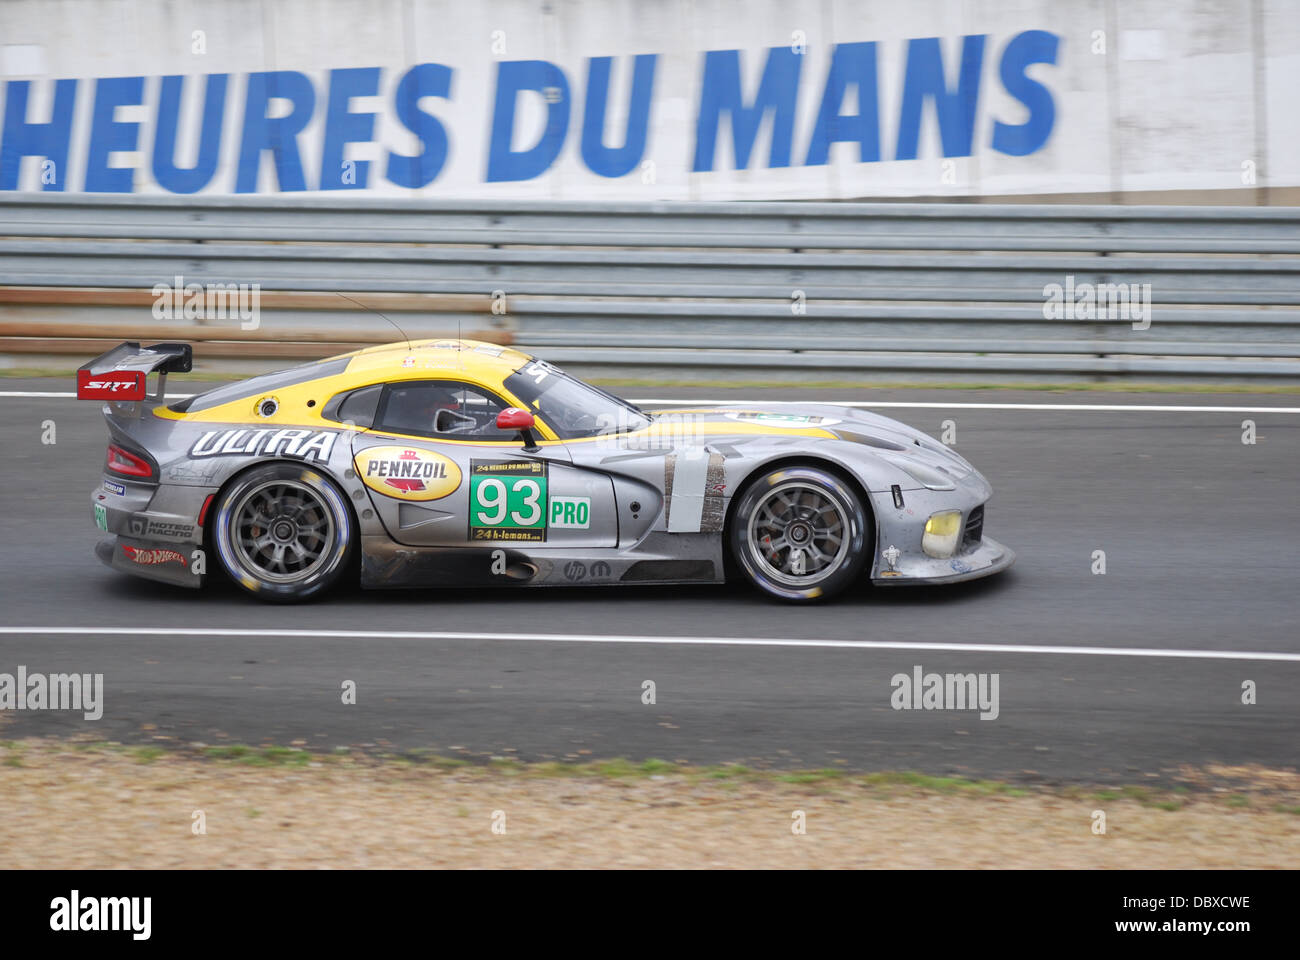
(811, 290)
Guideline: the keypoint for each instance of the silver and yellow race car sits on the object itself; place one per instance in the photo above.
(454, 463)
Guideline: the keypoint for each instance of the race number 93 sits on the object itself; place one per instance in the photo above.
(507, 501)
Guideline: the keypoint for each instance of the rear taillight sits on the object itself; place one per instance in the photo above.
(126, 463)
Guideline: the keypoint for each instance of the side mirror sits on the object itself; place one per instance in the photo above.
(513, 418)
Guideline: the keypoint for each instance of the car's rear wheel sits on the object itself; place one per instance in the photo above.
(799, 534)
(283, 532)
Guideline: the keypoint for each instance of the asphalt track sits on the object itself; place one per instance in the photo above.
(1202, 540)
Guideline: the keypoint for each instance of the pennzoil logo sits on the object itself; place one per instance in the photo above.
(406, 473)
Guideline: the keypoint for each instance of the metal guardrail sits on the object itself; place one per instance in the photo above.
(795, 287)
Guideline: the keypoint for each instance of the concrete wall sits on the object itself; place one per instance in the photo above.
(930, 98)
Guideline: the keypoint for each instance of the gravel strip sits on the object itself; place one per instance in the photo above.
(63, 807)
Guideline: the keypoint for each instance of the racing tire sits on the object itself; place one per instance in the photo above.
(283, 532)
(799, 534)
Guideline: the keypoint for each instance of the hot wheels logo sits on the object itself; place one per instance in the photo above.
(114, 385)
(152, 556)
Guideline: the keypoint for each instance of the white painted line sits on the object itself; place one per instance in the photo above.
(1013, 648)
(865, 404)
(71, 395)
(1107, 407)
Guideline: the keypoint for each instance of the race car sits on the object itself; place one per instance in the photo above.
(438, 463)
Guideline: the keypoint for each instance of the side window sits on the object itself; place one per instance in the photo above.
(358, 406)
(441, 409)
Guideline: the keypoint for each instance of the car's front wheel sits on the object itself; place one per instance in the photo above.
(799, 533)
(283, 532)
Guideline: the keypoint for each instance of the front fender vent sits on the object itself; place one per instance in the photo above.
(974, 532)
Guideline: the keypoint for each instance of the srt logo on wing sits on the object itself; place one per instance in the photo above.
(125, 385)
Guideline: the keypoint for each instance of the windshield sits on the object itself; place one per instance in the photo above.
(572, 408)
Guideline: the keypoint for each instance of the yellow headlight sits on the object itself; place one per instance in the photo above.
(942, 532)
(943, 524)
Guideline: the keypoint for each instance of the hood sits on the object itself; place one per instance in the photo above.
(891, 440)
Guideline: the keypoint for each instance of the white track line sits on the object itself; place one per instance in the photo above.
(867, 404)
(71, 395)
(1109, 407)
(674, 641)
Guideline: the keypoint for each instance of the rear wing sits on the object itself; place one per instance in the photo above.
(119, 375)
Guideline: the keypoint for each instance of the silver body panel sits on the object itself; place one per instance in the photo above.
(655, 507)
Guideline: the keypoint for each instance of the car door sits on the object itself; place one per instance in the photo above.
(439, 473)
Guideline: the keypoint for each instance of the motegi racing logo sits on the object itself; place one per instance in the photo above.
(304, 444)
(408, 474)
